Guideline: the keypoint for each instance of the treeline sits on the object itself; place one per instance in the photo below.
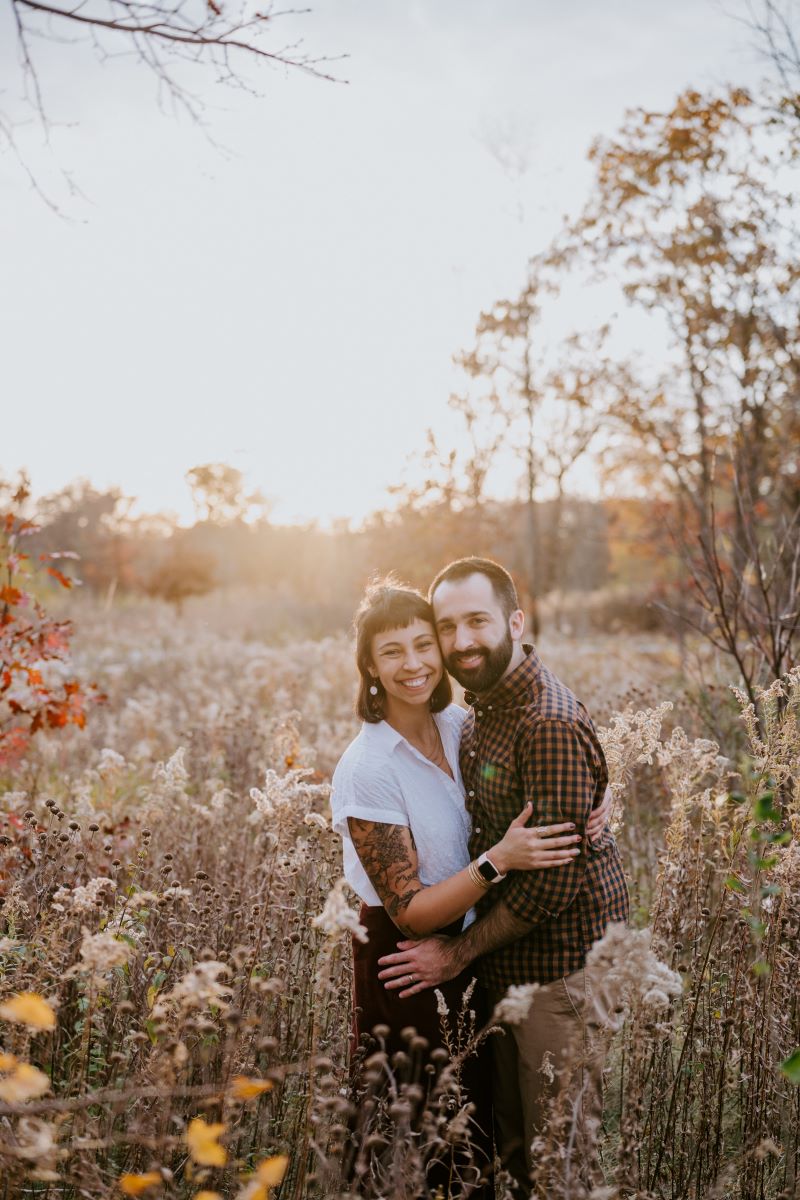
(314, 577)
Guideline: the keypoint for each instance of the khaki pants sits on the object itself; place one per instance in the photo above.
(561, 1044)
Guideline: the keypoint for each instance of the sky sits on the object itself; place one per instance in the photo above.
(284, 289)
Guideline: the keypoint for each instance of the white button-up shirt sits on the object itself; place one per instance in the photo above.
(382, 777)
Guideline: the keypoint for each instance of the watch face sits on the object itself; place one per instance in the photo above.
(488, 871)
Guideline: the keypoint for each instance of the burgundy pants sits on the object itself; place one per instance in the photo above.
(374, 1005)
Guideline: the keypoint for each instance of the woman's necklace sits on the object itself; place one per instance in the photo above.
(435, 753)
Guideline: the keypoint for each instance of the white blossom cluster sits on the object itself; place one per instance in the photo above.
(624, 966)
(337, 916)
(82, 897)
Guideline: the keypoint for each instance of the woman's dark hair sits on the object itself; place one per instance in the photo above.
(389, 604)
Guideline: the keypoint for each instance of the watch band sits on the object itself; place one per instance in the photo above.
(488, 870)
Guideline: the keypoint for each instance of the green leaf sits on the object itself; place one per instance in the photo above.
(764, 809)
(761, 967)
(734, 884)
(790, 1067)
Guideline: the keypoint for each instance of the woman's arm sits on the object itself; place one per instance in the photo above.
(388, 854)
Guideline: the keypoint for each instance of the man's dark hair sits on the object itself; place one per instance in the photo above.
(502, 583)
(389, 604)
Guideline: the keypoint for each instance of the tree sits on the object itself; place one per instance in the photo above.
(164, 36)
(181, 572)
(218, 493)
(540, 414)
(693, 209)
(98, 528)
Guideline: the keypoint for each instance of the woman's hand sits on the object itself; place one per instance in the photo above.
(599, 816)
(524, 849)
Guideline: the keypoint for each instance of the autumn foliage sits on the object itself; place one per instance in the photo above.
(37, 687)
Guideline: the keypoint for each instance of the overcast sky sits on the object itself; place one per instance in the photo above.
(290, 303)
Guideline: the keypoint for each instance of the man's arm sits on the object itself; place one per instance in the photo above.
(435, 959)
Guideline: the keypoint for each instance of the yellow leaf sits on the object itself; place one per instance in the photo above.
(28, 1008)
(24, 1083)
(134, 1185)
(7, 1062)
(245, 1087)
(272, 1170)
(207, 1196)
(201, 1138)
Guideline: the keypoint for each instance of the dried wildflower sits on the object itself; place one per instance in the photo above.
(29, 1008)
(37, 1141)
(110, 765)
(441, 1003)
(100, 953)
(20, 1081)
(199, 988)
(203, 1142)
(172, 775)
(84, 897)
(629, 970)
(337, 916)
(513, 1009)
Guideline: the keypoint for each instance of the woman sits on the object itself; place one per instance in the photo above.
(398, 804)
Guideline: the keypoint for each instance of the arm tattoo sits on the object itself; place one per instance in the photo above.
(499, 927)
(388, 854)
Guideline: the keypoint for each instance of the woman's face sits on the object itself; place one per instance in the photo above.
(408, 663)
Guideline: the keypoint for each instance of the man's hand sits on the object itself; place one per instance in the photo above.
(599, 817)
(420, 965)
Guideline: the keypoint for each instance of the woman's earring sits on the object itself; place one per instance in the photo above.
(373, 691)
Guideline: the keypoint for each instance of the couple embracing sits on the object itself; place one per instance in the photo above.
(477, 842)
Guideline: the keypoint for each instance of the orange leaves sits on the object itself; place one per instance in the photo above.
(135, 1185)
(28, 1008)
(244, 1087)
(268, 1174)
(203, 1142)
(63, 579)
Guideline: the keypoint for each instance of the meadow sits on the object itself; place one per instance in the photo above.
(174, 938)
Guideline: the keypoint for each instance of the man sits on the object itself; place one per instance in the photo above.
(526, 737)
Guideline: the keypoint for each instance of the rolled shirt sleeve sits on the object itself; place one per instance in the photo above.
(559, 770)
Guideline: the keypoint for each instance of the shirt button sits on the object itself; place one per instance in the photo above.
(489, 707)
(480, 712)
(477, 828)
(471, 793)
(472, 753)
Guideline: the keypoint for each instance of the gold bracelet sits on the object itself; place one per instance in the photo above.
(476, 877)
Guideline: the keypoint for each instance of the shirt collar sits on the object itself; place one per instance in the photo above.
(505, 693)
(383, 734)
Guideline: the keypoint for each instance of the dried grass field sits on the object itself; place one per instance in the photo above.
(174, 945)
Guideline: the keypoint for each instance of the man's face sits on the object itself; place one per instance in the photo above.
(474, 634)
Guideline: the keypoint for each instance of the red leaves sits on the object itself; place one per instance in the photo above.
(60, 576)
(33, 696)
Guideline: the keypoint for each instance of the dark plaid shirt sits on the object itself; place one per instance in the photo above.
(531, 739)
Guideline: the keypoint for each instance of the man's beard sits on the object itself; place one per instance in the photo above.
(492, 668)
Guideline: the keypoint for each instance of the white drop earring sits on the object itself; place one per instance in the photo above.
(373, 690)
